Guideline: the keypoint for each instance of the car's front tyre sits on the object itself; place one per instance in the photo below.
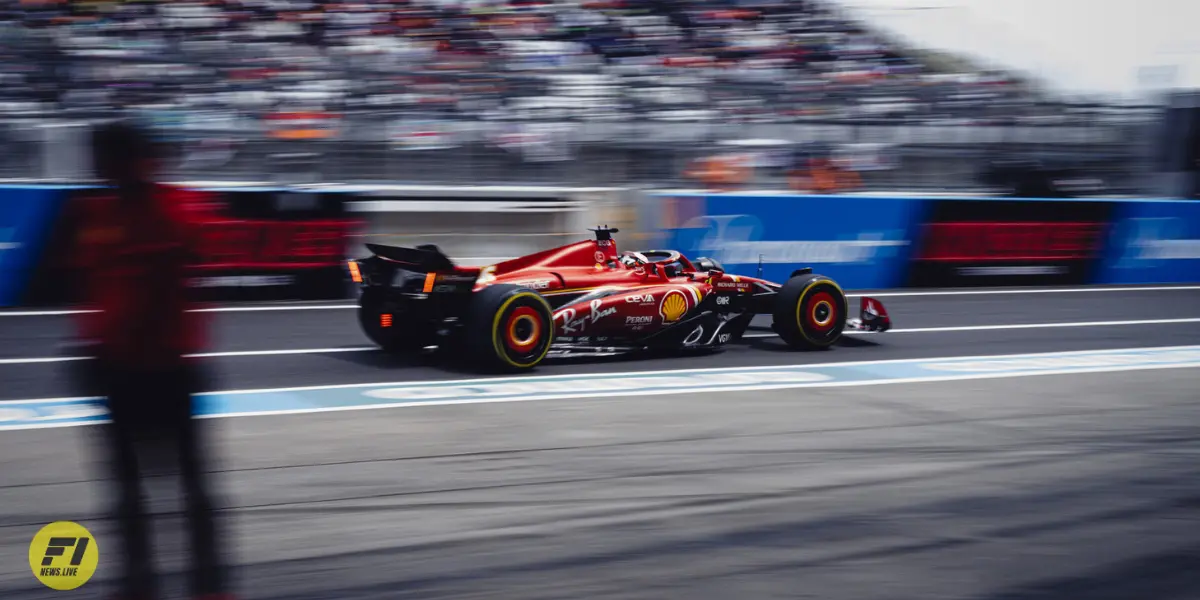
(810, 312)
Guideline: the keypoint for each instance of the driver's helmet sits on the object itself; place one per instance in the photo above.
(705, 263)
(628, 260)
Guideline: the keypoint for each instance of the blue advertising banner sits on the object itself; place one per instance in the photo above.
(27, 214)
(1153, 241)
(860, 242)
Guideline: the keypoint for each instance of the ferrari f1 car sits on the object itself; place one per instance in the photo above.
(587, 298)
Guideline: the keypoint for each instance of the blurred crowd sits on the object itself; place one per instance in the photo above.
(670, 60)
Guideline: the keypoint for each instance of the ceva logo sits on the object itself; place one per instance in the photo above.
(735, 239)
(1143, 242)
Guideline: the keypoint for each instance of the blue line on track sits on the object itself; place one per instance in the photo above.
(65, 412)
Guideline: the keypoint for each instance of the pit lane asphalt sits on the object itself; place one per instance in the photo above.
(291, 330)
(1080, 487)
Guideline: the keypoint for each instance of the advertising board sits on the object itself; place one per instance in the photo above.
(27, 218)
(273, 243)
(992, 242)
(861, 242)
(1153, 241)
(255, 244)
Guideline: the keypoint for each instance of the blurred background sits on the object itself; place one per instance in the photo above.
(645, 93)
(854, 136)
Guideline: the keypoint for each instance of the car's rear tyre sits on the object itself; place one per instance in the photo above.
(508, 328)
(392, 326)
(810, 312)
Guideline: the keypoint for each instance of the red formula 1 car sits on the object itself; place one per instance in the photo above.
(587, 298)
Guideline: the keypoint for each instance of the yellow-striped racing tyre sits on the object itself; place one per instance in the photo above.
(508, 328)
(810, 312)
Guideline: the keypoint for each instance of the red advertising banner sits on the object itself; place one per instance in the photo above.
(255, 245)
(273, 245)
(988, 242)
(1004, 241)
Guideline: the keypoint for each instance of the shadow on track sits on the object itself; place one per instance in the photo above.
(445, 361)
(775, 345)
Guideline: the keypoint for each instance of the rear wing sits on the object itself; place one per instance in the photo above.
(379, 270)
(424, 259)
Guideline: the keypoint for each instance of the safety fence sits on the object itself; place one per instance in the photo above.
(370, 147)
(290, 242)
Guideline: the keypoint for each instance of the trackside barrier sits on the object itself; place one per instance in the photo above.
(291, 240)
(1153, 242)
(265, 241)
(257, 242)
(27, 218)
(879, 242)
(861, 242)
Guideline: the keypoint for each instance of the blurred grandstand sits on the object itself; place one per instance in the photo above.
(571, 92)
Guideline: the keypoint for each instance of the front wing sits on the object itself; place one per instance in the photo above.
(872, 317)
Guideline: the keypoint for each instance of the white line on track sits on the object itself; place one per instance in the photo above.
(676, 372)
(215, 309)
(996, 292)
(882, 294)
(295, 351)
(220, 309)
(666, 392)
(1015, 326)
(622, 374)
(234, 354)
(284, 352)
(41, 313)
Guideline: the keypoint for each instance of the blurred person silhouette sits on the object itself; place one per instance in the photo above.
(135, 245)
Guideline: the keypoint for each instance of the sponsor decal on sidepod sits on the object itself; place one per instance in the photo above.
(674, 305)
(534, 284)
(740, 286)
(573, 325)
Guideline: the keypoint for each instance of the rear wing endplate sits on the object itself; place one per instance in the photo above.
(426, 259)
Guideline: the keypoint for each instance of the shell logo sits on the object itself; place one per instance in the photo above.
(673, 306)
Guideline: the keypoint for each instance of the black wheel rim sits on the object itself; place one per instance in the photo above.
(822, 312)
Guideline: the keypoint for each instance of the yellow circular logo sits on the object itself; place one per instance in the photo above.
(673, 306)
(63, 555)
